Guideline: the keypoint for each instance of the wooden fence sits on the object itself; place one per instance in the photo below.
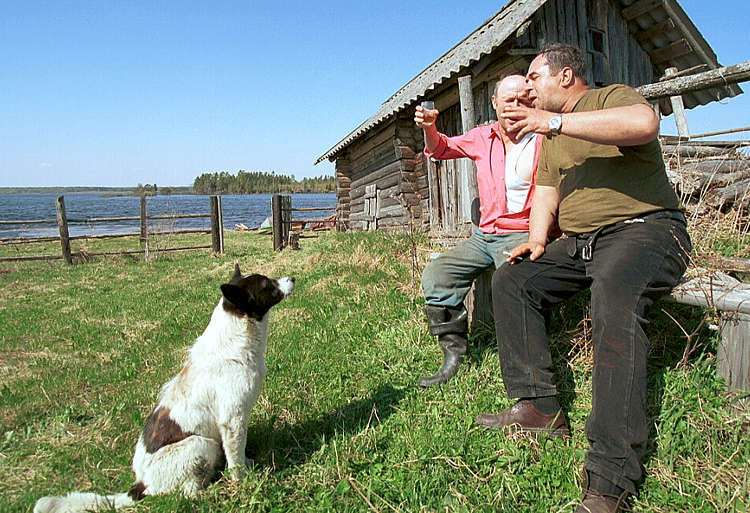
(281, 216)
(62, 221)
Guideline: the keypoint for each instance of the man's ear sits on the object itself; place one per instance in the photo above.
(234, 294)
(567, 77)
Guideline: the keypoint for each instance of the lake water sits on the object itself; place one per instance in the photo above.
(248, 209)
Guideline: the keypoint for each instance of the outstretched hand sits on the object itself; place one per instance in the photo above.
(523, 120)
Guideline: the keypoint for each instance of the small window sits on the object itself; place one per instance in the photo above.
(596, 40)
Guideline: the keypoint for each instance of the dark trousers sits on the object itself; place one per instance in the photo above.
(632, 264)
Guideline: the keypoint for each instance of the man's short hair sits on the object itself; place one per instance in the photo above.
(561, 55)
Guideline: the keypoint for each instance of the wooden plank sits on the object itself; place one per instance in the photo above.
(550, 24)
(479, 303)
(644, 36)
(376, 175)
(733, 353)
(20, 258)
(360, 172)
(639, 8)
(466, 100)
(582, 25)
(384, 182)
(370, 140)
(468, 170)
(30, 221)
(698, 82)
(714, 291)
(670, 52)
(678, 108)
(562, 33)
(434, 187)
(721, 132)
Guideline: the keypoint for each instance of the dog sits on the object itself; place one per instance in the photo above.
(200, 421)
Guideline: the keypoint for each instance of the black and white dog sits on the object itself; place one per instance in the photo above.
(200, 420)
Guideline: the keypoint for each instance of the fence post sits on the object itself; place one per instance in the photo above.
(144, 229)
(62, 223)
(144, 219)
(281, 213)
(217, 225)
(276, 223)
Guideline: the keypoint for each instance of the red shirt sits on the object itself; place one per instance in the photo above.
(485, 147)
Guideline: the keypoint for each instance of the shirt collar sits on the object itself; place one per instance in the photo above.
(495, 131)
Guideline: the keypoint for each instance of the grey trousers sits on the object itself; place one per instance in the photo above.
(447, 279)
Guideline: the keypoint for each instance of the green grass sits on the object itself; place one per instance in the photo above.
(341, 425)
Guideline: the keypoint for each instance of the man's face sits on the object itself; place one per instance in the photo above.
(510, 93)
(546, 92)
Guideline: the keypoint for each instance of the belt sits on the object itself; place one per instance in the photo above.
(588, 239)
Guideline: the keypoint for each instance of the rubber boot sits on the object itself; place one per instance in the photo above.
(451, 326)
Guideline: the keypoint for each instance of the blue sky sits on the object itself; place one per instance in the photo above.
(120, 93)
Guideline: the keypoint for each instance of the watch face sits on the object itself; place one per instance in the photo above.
(554, 123)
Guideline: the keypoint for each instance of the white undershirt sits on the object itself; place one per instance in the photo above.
(521, 156)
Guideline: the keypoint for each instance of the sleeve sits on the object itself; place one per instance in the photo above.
(460, 146)
(620, 95)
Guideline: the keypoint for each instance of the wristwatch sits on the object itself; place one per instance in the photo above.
(555, 125)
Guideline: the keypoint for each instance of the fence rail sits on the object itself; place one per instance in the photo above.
(62, 221)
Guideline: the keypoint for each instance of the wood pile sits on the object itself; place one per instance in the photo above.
(709, 175)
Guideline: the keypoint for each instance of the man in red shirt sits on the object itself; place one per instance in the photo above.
(506, 173)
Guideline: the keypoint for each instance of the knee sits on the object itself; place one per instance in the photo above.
(432, 275)
(502, 279)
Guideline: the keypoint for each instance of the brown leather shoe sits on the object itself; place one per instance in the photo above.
(524, 417)
(597, 502)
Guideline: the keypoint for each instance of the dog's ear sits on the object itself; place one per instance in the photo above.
(235, 295)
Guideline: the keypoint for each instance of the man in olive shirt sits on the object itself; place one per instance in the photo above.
(601, 176)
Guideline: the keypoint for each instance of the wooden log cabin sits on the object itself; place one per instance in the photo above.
(383, 179)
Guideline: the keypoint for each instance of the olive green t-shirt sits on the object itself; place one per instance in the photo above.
(601, 184)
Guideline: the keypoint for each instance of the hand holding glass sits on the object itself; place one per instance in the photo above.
(428, 106)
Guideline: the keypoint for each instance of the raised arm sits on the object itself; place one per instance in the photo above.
(619, 126)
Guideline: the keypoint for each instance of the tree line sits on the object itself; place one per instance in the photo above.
(260, 182)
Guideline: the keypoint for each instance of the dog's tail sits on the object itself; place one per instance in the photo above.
(81, 502)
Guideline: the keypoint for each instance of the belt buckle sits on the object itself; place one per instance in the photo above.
(586, 252)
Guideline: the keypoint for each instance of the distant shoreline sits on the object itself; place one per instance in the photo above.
(182, 189)
(127, 191)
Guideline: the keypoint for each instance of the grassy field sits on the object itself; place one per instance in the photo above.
(341, 425)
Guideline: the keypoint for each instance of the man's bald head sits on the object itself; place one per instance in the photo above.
(510, 91)
(509, 84)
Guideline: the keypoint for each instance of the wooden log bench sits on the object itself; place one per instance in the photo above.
(731, 300)
(714, 290)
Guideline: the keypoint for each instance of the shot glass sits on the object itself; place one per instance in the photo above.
(427, 105)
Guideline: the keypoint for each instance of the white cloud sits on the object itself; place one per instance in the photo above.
(45, 164)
